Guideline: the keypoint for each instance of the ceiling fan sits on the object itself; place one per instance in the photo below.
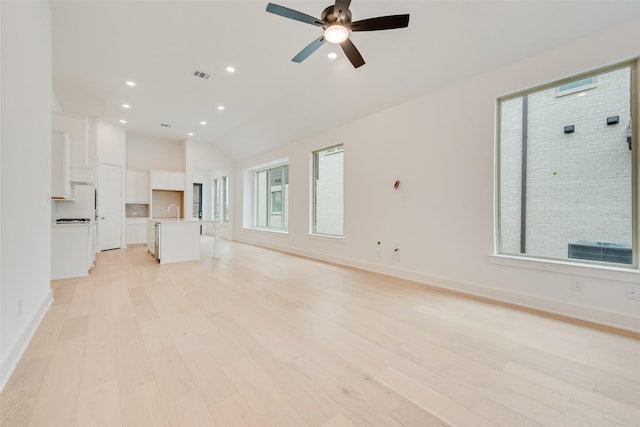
(336, 22)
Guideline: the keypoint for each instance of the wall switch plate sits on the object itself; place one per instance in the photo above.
(633, 292)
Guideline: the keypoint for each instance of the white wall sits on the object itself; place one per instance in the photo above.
(204, 164)
(146, 153)
(25, 230)
(441, 147)
(111, 143)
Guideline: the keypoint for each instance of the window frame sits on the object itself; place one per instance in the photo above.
(635, 172)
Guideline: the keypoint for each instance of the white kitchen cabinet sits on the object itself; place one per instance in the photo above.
(83, 176)
(60, 166)
(72, 250)
(137, 187)
(77, 129)
(151, 237)
(167, 180)
(92, 245)
(136, 231)
(179, 241)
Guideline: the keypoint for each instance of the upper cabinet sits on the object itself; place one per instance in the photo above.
(137, 187)
(60, 166)
(167, 180)
(77, 130)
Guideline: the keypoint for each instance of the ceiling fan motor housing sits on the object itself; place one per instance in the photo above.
(329, 17)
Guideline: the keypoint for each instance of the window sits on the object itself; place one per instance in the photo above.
(566, 171)
(221, 199)
(576, 86)
(225, 199)
(272, 193)
(328, 192)
(216, 198)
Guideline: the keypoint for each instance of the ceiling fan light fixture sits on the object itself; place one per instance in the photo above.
(336, 34)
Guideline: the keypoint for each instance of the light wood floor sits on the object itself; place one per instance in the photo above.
(261, 338)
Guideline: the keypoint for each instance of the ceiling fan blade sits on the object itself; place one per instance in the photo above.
(293, 14)
(352, 53)
(340, 5)
(381, 23)
(311, 47)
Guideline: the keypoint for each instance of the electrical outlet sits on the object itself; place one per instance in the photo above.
(576, 285)
(395, 255)
(633, 292)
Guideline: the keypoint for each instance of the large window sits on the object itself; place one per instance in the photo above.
(566, 170)
(328, 191)
(272, 197)
(221, 199)
(216, 198)
(225, 199)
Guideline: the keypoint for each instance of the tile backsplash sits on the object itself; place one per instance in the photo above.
(137, 211)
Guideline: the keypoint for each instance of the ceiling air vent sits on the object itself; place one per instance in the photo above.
(201, 74)
(165, 125)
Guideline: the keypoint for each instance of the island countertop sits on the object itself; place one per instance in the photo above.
(181, 220)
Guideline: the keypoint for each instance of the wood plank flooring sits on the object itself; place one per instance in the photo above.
(262, 338)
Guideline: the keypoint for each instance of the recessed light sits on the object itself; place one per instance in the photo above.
(231, 69)
(582, 94)
(332, 55)
(203, 123)
(123, 121)
(190, 134)
(130, 83)
(126, 106)
(220, 107)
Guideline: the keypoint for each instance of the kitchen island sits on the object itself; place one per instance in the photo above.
(176, 240)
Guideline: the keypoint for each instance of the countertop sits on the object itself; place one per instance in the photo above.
(174, 220)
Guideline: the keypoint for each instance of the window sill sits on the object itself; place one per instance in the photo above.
(629, 274)
(326, 237)
(267, 230)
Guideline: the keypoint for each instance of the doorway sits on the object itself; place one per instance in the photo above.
(109, 207)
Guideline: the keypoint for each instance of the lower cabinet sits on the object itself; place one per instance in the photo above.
(151, 238)
(136, 231)
(73, 250)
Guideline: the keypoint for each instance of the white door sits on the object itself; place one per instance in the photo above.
(109, 207)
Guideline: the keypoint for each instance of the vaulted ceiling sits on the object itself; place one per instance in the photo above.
(269, 100)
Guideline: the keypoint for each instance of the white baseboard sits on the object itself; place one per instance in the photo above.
(561, 308)
(11, 361)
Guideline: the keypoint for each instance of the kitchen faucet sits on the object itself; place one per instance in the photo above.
(177, 210)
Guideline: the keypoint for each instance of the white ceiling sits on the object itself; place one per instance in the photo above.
(271, 101)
